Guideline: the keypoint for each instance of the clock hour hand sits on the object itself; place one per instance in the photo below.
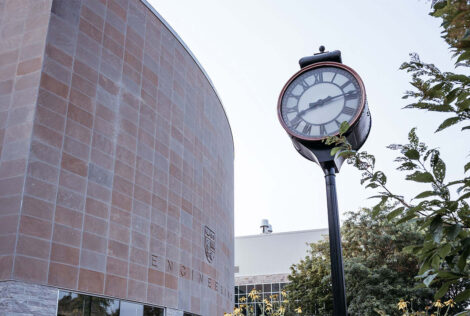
(312, 105)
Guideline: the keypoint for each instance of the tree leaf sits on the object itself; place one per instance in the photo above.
(465, 196)
(448, 275)
(435, 262)
(463, 258)
(448, 122)
(438, 168)
(463, 296)
(435, 223)
(395, 213)
(406, 218)
(425, 194)
(428, 280)
(420, 177)
(442, 290)
(451, 96)
(335, 150)
(372, 185)
(452, 231)
(412, 154)
(444, 251)
(343, 128)
(467, 166)
(440, 5)
(436, 228)
(463, 57)
(466, 127)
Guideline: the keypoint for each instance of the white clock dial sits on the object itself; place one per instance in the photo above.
(315, 103)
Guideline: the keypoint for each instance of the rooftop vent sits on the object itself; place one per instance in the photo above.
(266, 228)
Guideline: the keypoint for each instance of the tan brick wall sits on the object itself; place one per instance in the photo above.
(130, 157)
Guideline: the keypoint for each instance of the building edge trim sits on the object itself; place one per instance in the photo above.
(282, 233)
(180, 40)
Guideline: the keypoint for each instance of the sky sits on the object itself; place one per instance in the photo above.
(250, 48)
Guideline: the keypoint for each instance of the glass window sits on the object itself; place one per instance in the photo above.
(275, 287)
(131, 309)
(74, 304)
(70, 304)
(267, 288)
(152, 311)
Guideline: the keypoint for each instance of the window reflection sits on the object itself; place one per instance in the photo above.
(74, 304)
(152, 311)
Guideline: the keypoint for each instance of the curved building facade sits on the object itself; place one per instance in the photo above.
(116, 165)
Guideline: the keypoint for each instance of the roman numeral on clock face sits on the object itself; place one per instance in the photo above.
(345, 84)
(295, 122)
(305, 84)
(348, 111)
(322, 130)
(351, 95)
(318, 77)
(290, 110)
(307, 129)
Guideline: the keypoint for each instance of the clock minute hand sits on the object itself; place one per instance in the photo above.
(340, 95)
(320, 102)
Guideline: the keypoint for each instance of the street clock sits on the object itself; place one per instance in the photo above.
(317, 99)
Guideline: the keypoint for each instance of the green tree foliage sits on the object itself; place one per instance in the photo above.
(441, 211)
(378, 273)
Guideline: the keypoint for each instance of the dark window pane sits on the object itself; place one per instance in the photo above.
(283, 285)
(70, 304)
(242, 289)
(236, 290)
(100, 306)
(259, 287)
(153, 311)
(249, 288)
(267, 288)
(275, 287)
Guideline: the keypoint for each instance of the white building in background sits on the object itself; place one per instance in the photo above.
(263, 261)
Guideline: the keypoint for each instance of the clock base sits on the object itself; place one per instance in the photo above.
(319, 154)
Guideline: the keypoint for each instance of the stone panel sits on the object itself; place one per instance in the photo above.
(26, 299)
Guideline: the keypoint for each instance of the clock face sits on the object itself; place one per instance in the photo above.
(318, 100)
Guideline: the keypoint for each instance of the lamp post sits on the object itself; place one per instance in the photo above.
(311, 107)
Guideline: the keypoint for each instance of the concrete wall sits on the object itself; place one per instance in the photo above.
(270, 256)
(116, 161)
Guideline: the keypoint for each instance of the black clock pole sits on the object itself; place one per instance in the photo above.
(336, 257)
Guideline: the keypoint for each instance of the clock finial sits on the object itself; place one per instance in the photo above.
(321, 49)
